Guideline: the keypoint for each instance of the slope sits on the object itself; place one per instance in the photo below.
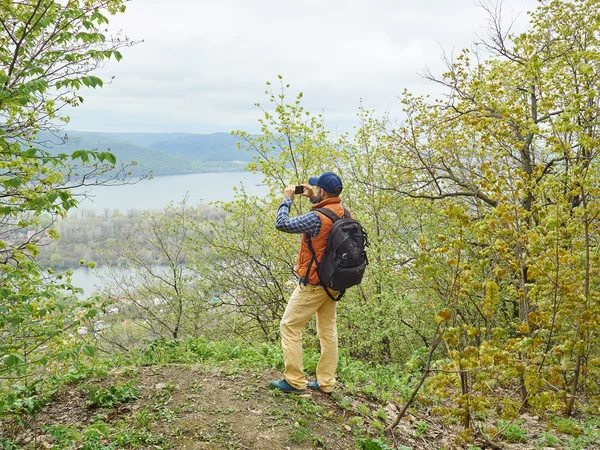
(194, 147)
(127, 150)
(196, 394)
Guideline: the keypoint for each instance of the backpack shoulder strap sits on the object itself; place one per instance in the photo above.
(330, 214)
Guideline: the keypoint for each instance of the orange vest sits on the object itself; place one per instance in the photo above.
(319, 243)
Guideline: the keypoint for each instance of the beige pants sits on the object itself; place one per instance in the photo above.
(303, 304)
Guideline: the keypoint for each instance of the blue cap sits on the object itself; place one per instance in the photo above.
(328, 181)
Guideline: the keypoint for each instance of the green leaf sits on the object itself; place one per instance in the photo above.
(88, 350)
(64, 354)
(81, 154)
(91, 81)
(13, 359)
(14, 182)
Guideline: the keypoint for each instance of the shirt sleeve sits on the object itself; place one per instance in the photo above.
(308, 223)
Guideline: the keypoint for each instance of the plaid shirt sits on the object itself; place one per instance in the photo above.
(308, 223)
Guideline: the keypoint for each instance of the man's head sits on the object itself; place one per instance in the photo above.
(328, 185)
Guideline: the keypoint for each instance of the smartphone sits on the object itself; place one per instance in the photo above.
(299, 190)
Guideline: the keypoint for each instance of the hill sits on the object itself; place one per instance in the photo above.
(194, 147)
(196, 394)
(217, 399)
(159, 153)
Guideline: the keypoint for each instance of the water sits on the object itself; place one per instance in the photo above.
(93, 280)
(90, 280)
(157, 193)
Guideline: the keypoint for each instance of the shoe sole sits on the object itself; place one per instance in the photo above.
(319, 390)
(287, 391)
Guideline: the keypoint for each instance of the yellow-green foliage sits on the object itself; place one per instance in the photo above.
(482, 208)
(510, 160)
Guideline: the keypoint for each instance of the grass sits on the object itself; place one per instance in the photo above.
(422, 428)
(381, 383)
(113, 396)
(160, 406)
(548, 440)
(579, 435)
(222, 436)
(301, 435)
(589, 437)
(568, 426)
(513, 433)
(361, 383)
(377, 444)
(134, 431)
(378, 382)
(105, 436)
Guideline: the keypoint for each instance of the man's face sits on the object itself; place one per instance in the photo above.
(319, 194)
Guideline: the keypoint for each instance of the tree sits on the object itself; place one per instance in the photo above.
(157, 291)
(247, 262)
(389, 310)
(48, 50)
(510, 158)
(382, 320)
(249, 259)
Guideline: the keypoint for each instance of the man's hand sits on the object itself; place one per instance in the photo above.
(308, 191)
(289, 192)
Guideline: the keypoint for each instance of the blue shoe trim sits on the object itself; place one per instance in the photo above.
(284, 386)
(315, 385)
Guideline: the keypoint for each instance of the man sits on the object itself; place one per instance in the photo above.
(309, 297)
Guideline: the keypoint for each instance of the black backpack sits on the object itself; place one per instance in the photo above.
(345, 258)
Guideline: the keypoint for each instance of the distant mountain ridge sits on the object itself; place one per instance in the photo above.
(159, 153)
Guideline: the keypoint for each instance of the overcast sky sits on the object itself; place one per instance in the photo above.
(204, 63)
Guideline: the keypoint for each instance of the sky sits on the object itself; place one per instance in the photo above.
(203, 64)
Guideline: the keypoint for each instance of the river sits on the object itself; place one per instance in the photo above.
(90, 280)
(156, 194)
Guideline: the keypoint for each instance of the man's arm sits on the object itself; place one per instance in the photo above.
(308, 223)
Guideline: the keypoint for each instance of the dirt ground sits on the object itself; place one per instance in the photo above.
(203, 407)
(212, 408)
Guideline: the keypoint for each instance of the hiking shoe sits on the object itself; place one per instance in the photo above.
(284, 386)
(314, 385)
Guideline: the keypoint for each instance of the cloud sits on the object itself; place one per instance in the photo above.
(203, 64)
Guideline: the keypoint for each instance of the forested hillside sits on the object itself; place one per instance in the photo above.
(92, 238)
(159, 153)
(195, 147)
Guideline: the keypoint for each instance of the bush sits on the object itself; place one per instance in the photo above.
(513, 433)
(115, 395)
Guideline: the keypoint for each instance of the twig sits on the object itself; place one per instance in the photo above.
(437, 338)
